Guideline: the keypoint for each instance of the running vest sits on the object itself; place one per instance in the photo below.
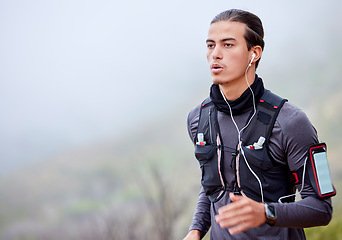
(275, 179)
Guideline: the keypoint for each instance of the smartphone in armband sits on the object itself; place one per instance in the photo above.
(318, 170)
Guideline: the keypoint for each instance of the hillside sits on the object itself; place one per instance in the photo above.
(133, 173)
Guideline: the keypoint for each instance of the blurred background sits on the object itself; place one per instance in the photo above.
(94, 97)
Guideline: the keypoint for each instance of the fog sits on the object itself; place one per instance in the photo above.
(78, 72)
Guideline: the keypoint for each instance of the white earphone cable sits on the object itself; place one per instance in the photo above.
(294, 194)
(239, 138)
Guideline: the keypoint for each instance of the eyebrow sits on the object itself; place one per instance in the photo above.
(222, 40)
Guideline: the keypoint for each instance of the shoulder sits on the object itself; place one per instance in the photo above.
(293, 133)
(194, 114)
(293, 118)
(192, 121)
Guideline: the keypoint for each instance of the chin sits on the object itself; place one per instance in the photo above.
(218, 80)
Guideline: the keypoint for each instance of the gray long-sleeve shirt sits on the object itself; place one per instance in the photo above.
(291, 136)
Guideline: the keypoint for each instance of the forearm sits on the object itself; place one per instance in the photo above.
(193, 235)
(308, 212)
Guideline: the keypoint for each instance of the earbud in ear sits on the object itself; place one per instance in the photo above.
(253, 56)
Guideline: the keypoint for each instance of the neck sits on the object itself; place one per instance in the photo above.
(234, 89)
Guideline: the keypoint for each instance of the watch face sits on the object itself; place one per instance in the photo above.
(271, 216)
(271, 211)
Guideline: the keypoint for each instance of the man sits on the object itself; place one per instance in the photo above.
(246, 149)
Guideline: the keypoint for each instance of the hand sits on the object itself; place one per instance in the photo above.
(193, 235)
(241, 214)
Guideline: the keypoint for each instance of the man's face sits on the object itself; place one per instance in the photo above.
(227, 52)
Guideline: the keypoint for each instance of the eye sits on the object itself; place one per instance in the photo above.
(228, 45)
(210, 45)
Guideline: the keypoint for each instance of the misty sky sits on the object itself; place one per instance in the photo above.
(76, 72)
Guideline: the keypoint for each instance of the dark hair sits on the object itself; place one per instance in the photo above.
(254, 34)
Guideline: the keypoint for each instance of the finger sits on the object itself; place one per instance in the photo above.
(234, 197)
(234, 217)
(237, 202)
(238, 229)
(250, 215)
(234, 211)
(228, 222)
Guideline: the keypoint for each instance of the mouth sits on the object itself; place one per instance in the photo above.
(216, 68)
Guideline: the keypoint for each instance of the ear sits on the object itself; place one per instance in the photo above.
(257, 50)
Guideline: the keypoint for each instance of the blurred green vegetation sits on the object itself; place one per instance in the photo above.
(333, 231)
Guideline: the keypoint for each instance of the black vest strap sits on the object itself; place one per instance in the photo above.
(268, 109)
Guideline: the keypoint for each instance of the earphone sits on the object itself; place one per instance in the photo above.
(253, 56)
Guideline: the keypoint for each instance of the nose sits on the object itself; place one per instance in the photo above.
(216, 53)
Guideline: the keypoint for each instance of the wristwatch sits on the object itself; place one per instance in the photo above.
(271, 215)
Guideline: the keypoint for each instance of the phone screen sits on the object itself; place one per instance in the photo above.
(323, 173)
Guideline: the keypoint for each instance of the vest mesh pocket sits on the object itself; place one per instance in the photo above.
(207, 157)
